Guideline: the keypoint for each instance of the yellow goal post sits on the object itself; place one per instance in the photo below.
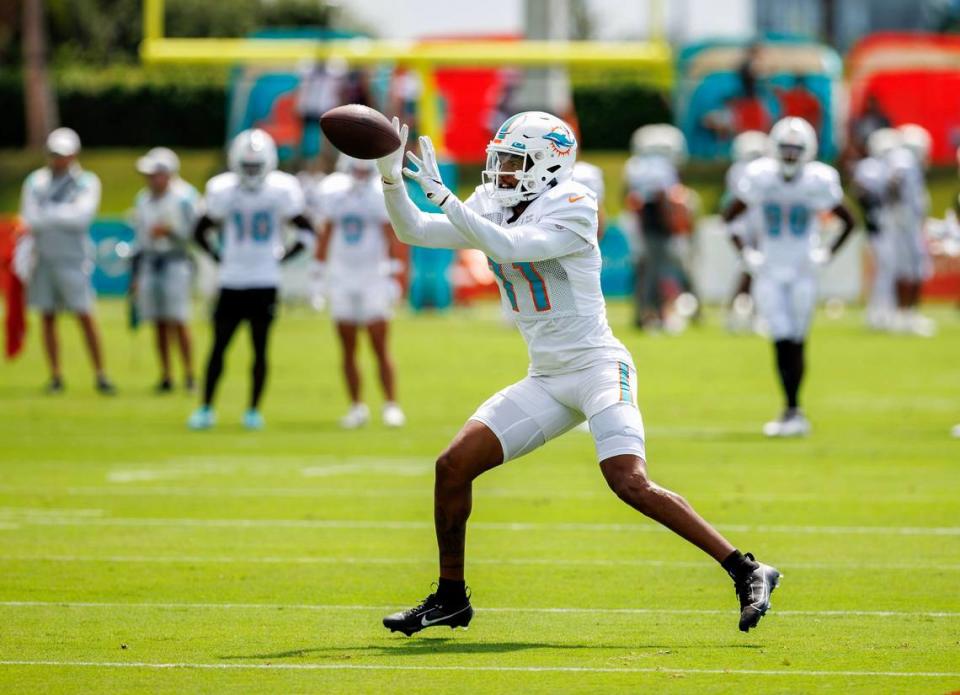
(653, 58)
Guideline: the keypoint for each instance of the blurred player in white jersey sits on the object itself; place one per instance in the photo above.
(165, 213)
(649, 175)
(591, 176)
(58, 204)
(539, 230)
(911, 205)
(745, 148)
(871, 184)
(791, 190)
(360, 265)
(252, 205)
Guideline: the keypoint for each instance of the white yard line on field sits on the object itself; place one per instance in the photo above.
(426, 492)
(520, 561)
(524, 526)
(482, 668)
(543, 610)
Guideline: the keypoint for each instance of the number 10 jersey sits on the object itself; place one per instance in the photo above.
(252, 221)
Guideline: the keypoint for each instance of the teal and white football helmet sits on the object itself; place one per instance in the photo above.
(531, 152)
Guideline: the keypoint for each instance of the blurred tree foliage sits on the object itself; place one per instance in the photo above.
(103, 32)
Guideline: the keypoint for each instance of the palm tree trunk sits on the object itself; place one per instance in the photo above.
(41, 109)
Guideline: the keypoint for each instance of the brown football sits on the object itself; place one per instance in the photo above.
(359, 131)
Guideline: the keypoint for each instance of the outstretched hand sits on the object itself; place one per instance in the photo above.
(390, 166)
(427, 173)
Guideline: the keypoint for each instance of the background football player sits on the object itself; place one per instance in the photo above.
(649, 174)
(164, 217)
(911, 205)
(361, 265)
(57, 205)
(791, 191)
(745, 148)
(251, 205)
(871, 187)
(539, 230)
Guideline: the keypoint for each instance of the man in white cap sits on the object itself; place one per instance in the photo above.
(165, 213)
(58, 204)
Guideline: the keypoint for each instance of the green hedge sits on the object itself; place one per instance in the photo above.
(128, 106)
(609, 113)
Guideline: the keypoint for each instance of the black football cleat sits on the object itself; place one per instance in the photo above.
(754, 593)
(431, 613)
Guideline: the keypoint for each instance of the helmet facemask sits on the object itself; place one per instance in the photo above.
(252, 156)
(252, 173)
(791, 158)
(508, 176)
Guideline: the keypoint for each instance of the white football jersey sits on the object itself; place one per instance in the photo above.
(176, 210)
(648, 176)
(789, 209)
(872, 175)
(358, 250)
(252, 223)
(557, 303)
(590, 176)
(749, 225)
(914, 203)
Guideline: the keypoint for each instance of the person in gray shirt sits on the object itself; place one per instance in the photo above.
(166, 210)
(58, 203)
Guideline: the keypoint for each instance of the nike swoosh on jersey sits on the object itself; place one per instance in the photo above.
(575, 198)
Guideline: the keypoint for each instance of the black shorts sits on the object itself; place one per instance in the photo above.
(256, 304)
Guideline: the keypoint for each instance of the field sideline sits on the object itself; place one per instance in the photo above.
(136, 556)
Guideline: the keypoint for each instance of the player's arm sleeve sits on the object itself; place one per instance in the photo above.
(417, 228)
(30, 209)
(78, 214)
(205, 224)
(306, 238)
(550, 238)
(830, 193)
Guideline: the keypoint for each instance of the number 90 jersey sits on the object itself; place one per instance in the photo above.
(556, 302)
(788, 210)
(252, 222)
(358, 252)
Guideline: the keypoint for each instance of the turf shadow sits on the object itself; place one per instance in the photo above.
(452, 645)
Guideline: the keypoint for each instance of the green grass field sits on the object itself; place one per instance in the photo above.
(136, 556)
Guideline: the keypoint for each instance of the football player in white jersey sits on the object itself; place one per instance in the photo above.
(648, 176)
(360, 263)
(910, 207)
(745, 148)
(165, 213)
(591, 176)
(252, 204)
(871, 185)
(791, 190)
(539, 230)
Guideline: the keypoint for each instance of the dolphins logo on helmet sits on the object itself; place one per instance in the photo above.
(530, 153)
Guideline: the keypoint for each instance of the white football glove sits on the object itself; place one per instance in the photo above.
(820, 256)
(427, 174)
(753, 259)
(390, 166)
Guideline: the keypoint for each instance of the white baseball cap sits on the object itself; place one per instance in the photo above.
(157, 160)
(63, 142)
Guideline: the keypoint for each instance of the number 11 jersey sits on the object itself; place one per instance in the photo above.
(556, 303)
